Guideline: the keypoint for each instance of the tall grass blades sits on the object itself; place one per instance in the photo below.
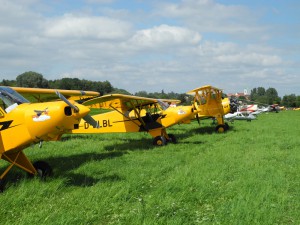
(248, 175)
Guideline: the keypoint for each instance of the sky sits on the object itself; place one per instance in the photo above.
(154, 46)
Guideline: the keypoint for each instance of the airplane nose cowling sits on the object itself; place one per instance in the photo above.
(82, 111)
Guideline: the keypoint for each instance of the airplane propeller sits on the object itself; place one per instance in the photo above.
(67, 101)
(197, 115)
(86, 118)
(90, 120)
(233, 105)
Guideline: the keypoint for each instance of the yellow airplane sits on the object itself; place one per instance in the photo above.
(23, 123)
(209, 102)
(139, 114)
(136, 114)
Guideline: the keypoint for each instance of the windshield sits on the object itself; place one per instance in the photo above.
(10, 97)
(163, 104)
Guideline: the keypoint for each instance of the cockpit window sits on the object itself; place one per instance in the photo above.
(9, 97)
(163, 104)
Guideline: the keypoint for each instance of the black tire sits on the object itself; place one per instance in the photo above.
(159, 141)
(2, 185)
(172, 138)
(226, 126)
(220, 128)
(43, 169)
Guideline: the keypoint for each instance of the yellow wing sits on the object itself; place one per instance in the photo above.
(45, 95)
(203, 88)
(171, 101)
(120, 102)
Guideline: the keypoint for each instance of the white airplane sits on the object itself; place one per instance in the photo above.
(239, 116)
(248, 108)
(261, 110)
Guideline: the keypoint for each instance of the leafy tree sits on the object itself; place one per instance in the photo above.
(241, 98)
(77, 84)
(256, 93)
(185, 99)
(106, 87)
(298, 101)
(272, 96)
(263, 96)
(8, 83)
(261, 91)
(70, 84)
(31, 79)
(120, 91)
(253, 94)
(142, 94)
(289, 100)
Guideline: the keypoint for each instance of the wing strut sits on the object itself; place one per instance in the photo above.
(124, 115)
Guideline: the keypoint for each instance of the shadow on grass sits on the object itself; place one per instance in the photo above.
(147, 143)
(65, 165)
(81, 180)
(132, 145)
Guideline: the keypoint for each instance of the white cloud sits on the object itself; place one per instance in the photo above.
(182, 47)
(210, 16)
(251, 58)
(91, 27)
(164, 36)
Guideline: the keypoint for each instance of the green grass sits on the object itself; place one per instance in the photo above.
(249, 175)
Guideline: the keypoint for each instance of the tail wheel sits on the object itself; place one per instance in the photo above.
(172, 138)
(159, 141)
(43, 169)
(221, 128)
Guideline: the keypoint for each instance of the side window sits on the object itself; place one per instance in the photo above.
(213, 95)
(2, 108)
(2, 104)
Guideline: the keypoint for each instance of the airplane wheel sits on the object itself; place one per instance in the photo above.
(2, 185)
(43, 169)
(221, 128)
(172, 138)
(226, 126)
(159, 141)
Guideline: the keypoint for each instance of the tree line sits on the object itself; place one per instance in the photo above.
(270, 96)
(36, 80)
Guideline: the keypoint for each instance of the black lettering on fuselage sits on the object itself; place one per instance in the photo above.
(103, 123)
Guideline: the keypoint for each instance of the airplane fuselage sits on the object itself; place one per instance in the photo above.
(30, 123)
(116, 122)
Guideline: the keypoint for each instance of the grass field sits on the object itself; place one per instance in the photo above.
(249, 175)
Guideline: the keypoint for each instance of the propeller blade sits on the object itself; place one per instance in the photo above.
(90, 120)
(67, 101)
